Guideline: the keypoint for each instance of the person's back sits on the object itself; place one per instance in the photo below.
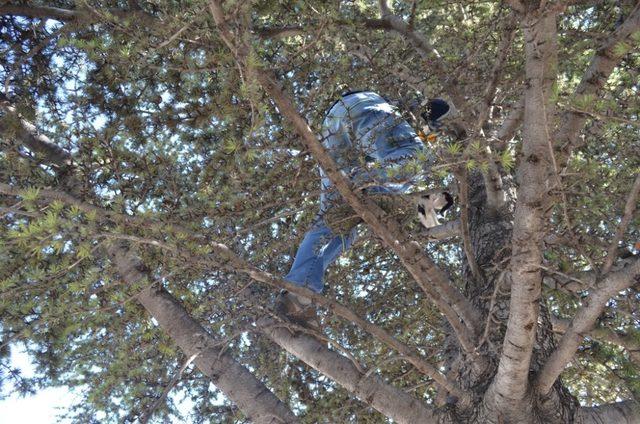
(366, 122)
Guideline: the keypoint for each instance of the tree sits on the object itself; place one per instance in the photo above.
(159, 169)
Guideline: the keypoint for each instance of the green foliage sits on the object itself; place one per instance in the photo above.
(182, 149)
(507, 160)
(621, 49)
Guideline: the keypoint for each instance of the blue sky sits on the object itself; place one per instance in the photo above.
(45, 406)
(41, 408)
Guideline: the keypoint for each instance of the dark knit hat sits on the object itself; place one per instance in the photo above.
(436, 109)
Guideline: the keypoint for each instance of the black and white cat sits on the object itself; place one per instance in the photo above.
(431, 205)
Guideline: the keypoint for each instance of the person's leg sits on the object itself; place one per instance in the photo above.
(320, 247)
(318, 250)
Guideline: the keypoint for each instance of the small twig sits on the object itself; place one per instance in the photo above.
(168, 388)
(384, 362)
(172, 38)
(602, 117)
(629, 208)
(32, 52)
(492, 304)
(566, 276)
(267, 221)
(417, 386)
(492, 179)
(15, 210)
(463, 192)
(141, 240)
(556, 173)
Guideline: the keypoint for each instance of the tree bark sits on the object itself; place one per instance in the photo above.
(388, 400)
(614, 413)
(510, 387)
(238, 384)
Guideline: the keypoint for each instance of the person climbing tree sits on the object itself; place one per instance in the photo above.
(372, 144)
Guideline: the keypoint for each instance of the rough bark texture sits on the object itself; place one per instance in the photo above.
(622, 412)
(243, 388)
(511, 382)
(370, 388)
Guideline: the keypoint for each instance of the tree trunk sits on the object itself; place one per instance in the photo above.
(491, 233)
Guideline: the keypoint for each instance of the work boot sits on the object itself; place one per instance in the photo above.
(297, 309)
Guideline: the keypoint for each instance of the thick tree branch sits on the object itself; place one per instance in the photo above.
(629, 208)
(626, 341)
(78, 15)
(280, 32)
(42, 12)
(604, 61)
(627, 412)
(87, 16)
(442, 232)
(510, 385)
(458, 311)
(503, 49)
(237, 383)
(570, 284)
(511, 124)
(28, 134)
(496, 196)
(463, 192)
(584, 322)
(388, 400)
(232, 378)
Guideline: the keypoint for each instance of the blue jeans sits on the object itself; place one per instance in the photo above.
(359, 129)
